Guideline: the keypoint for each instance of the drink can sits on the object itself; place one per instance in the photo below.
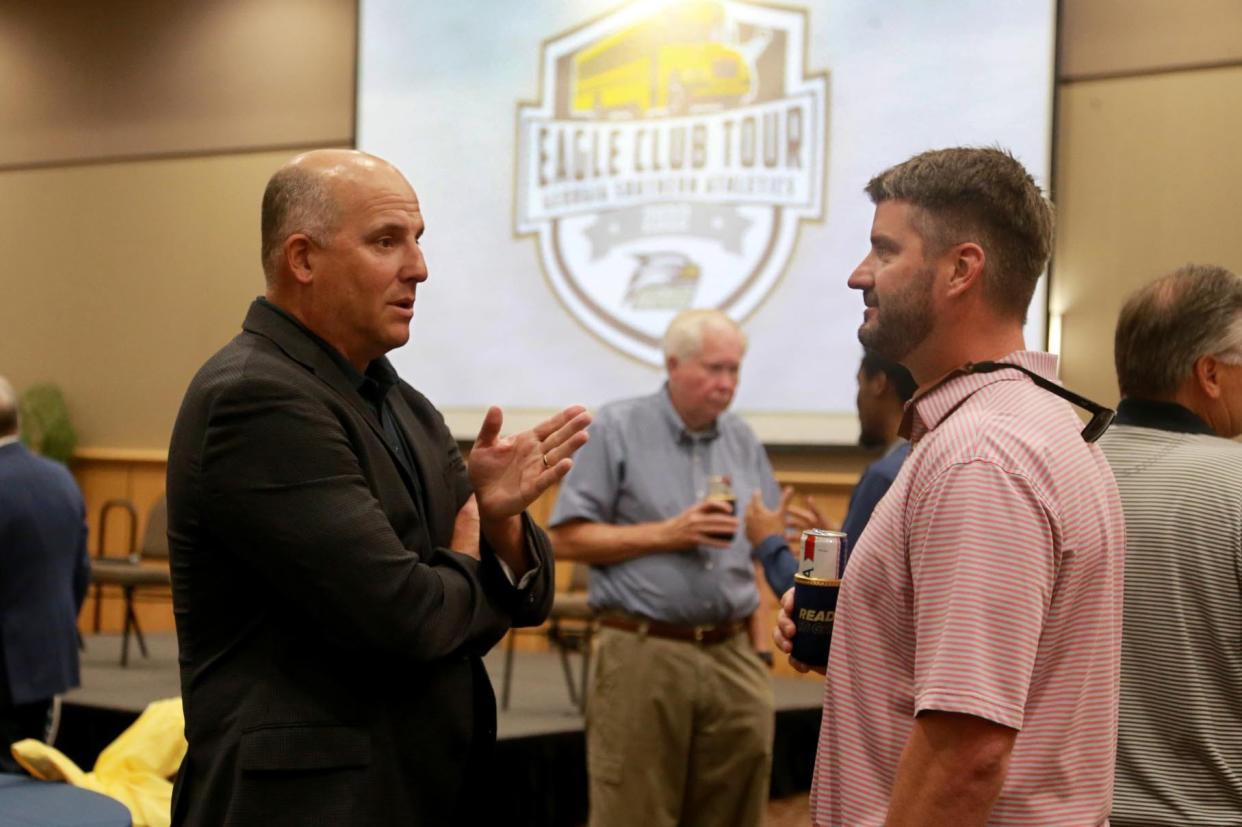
(815, 611)
(823, 554)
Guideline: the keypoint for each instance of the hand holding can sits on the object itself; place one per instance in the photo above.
(817, 585)
(815, 609)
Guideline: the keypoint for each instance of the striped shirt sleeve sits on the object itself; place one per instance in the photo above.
(982, 561)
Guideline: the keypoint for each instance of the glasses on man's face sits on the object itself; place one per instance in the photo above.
(1101, 417)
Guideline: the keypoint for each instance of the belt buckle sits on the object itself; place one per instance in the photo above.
(699, 633)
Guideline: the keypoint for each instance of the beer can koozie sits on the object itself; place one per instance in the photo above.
(823, 554)
(815, 608)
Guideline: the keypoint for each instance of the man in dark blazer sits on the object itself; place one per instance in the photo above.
(337, 572)
(44, 572)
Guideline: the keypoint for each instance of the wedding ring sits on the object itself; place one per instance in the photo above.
(544, 457)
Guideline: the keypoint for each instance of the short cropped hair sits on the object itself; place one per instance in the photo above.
(296, 201)
(1165, 327)
(982, 195)
(8, 408)
(684, 337)
(901, 380)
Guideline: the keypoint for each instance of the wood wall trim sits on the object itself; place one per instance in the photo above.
(829, 479)
(156, 455)
(138, 475)
(121, 455)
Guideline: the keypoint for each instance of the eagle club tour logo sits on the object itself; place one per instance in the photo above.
(675, 149)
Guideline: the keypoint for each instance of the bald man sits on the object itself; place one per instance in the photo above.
(338, 574)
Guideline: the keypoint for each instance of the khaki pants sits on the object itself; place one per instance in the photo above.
(678, 733)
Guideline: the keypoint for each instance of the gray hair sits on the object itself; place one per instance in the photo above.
(684, 337)
(982, 195)
(9, 418)
(1165, 327)
(297, 200)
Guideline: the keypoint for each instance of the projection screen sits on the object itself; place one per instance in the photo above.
(587, 169)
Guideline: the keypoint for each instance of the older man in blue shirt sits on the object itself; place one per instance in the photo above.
(680, 714)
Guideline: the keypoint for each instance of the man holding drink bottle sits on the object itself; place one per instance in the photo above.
(974, 662)
(680, 710)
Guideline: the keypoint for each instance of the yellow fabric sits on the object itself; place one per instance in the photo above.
(134, 769)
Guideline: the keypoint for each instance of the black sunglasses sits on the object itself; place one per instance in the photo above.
(1101, 417)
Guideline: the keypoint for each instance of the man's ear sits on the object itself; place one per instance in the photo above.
(968, 259)
(1206, 371)
(299, 251)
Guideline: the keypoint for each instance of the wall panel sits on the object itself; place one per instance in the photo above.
(1110, 37)
(119, 280)
(1148, 176)
(89, 80)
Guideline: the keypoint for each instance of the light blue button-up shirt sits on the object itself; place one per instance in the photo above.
(642, 465)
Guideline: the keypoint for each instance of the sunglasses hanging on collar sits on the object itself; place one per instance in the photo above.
(1101, 417)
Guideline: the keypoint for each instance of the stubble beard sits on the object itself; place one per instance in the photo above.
(903, 322)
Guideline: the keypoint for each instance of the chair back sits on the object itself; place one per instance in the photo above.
(131, 513)
(155, 540)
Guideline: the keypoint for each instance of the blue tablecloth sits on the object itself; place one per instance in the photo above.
(25, 802)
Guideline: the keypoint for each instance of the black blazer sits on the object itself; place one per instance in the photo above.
(44, 572)
(330, 643)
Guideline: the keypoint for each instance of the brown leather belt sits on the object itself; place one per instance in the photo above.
(672, 631)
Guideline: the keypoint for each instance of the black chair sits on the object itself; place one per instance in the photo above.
(129, 573)
(571, 625)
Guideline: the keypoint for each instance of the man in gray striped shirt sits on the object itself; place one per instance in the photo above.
(1179, 364)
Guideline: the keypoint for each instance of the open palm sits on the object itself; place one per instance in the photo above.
(509, 473)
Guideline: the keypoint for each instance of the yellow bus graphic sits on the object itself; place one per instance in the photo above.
(669, 63)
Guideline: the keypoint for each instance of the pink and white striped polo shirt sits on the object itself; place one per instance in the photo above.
(988, 582)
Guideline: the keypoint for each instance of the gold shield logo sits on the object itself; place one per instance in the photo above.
(673, 153)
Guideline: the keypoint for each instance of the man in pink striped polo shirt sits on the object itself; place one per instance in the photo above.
(974, 664)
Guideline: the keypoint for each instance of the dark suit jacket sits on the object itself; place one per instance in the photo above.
(330, 643)
(44, 572)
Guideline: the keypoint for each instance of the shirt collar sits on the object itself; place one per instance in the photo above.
(1164, 416)
(677, 426)
(932, 405)
(373, 385)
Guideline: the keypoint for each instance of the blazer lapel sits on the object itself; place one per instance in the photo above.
(268, 322)
(264, 320)
(426, 458)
